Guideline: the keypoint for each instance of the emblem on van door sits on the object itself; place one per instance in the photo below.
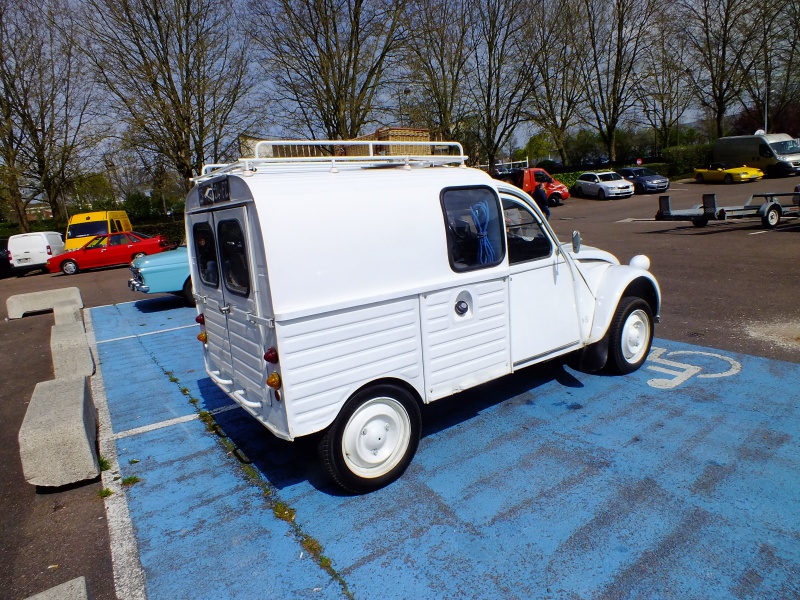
(214, 192)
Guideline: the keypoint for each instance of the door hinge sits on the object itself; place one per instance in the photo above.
(261, 320)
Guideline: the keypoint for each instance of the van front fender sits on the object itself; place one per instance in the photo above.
(619, 281)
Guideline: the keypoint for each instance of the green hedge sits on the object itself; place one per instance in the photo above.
(682, 160)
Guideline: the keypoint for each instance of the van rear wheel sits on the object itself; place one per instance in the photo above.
(373, 439)
(69, 267)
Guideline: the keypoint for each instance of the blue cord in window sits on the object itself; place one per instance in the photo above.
(480, 215)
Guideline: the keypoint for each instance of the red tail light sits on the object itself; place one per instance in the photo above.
(271, 355)
(200, 319)
(49, 251)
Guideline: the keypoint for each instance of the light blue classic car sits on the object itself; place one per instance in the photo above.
(166, 272)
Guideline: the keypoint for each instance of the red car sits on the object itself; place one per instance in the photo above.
(107, 251)
(526, 180)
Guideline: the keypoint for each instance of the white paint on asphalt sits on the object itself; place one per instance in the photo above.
(138, 335)
(128, 572)
(170, 422)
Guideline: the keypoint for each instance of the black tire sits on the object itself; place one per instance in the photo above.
(601, 194)
(772, 217)
(631, 335)
(728, 179)
(138, 255)
(187, 291)
(700, 222)
(366, 424)
(579, 192)
(554, 200)
(699, 178)
(69, 267)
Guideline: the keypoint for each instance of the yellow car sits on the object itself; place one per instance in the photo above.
(727, 173)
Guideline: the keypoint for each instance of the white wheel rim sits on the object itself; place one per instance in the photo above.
(69, 268)
(376, 437)
(773, 217)
(635, 335)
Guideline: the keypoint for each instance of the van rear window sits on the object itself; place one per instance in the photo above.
(206, 253)
(474, 228)
(79, 230)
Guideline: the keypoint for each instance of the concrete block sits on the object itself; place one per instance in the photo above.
(74, 589)
(70, 350)
(20, 304)
(58, 437)
(67, 311)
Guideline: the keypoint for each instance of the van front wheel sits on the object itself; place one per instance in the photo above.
(631, 335)
(374, 438)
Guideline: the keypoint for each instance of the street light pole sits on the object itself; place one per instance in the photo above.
(766, 108)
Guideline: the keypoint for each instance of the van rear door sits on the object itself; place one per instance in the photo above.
(227, 296)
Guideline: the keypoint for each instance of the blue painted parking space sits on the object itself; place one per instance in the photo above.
(678, 481)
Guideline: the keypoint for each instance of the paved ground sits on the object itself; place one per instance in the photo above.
(678, 481)
(731, 286)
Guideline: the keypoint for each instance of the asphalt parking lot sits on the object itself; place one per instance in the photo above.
(551, 483)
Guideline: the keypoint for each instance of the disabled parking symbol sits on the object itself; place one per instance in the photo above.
(681, 372)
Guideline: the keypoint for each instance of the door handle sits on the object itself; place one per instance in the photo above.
(225, 310)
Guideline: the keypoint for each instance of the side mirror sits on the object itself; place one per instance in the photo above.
(576, 241)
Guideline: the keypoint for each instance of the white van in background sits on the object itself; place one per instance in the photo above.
(777, 154)
(30, 251)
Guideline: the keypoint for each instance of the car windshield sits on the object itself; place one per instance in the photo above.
(787, 147)
(644, 172)
(609, 176)
(79, 230)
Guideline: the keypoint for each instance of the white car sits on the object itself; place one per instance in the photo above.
(607, 184)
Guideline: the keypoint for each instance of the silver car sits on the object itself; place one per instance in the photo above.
(606, 184)
(645, 180)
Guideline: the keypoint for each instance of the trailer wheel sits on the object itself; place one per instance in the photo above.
(373, 439)
(771, 219)
(700, 222)
(631, 335)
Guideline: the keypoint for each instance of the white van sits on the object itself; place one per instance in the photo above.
(776, 154)
(29, 251)
(339, 294)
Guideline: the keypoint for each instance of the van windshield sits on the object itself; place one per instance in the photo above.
(787, 147)
(79, 230)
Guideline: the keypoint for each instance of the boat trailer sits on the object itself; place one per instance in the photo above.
(771, 211)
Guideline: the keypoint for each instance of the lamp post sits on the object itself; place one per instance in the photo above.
(766, 106)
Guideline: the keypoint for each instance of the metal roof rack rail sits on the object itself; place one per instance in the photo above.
(339, 153)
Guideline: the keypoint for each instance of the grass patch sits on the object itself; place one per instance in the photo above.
(104, 493)
(130, 480)
(133, 461)
(103, 462)
(283, 512)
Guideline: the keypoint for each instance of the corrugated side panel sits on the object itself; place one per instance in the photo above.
(462, 352)
(326, 358)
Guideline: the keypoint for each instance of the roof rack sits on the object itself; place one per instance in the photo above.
(335, 153)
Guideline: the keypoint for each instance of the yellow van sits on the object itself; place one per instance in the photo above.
(83, 226)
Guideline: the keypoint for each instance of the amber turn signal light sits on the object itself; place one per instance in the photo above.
(202, 337)
(274, 381)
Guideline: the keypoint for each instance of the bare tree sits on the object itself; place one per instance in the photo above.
(718, 34)
(45, 104)
(437, 58)
(500, 85)
(614, 40)
(177, 74)
(553, 66)
(662, 86)
(328, 60)
(773, 51)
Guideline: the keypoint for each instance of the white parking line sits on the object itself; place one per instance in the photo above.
(170, 422)
(138, 335)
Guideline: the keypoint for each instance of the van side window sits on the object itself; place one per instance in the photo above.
(526, 239)
(233, 255)
(206, 253)
(764, 151)
(474, 229)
